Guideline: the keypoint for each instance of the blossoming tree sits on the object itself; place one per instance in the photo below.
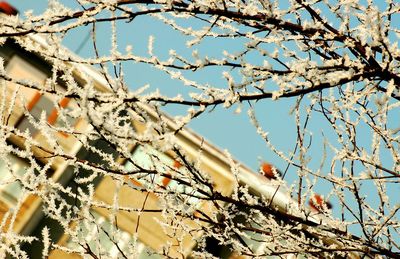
(338, 63)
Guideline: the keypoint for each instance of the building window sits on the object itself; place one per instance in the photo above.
(35, 107)
(34, 102)
(103, 240)
(20, 98)
(28, 106)
(12, 170)
(166, 169)
(40, 104)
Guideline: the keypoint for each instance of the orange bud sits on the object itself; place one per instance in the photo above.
(177, 164)
(317, 203)
(268, 170)
(166, 179)
(7, 8)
